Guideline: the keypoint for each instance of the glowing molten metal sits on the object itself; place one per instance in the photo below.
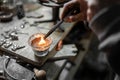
(39, 43)
(42, 41)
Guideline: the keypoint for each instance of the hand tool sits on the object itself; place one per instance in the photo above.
(72, 12)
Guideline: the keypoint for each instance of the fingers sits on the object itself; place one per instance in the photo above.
(68, 7)
(81, 4)
(77, 17)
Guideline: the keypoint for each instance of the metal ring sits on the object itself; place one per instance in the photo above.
(4, 17)
(6, 73)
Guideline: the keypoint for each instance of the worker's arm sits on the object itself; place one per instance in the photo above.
(106, 25)
(104, 19)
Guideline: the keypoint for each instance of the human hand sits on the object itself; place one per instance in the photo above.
(81, 4)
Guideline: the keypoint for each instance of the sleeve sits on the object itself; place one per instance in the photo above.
(106, 25)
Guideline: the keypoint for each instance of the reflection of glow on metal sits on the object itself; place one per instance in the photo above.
(39, 45)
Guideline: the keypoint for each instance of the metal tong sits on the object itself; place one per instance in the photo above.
(73, 11)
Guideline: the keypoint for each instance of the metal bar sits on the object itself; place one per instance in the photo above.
(53, 29)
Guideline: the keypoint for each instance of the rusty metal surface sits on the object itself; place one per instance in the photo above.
(26, 53)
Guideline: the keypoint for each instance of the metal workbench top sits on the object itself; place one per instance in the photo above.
(26, 54)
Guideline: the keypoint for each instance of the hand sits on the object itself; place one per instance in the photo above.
(81, 4)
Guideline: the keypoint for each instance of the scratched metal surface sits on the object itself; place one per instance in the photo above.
(26, 53)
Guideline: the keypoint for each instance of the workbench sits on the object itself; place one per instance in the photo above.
(26, 54)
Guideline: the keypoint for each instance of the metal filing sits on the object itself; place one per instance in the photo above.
(8, 44)
(15, 47)
(6, 36)
(13, 36)
(2, 41)
(23, 24)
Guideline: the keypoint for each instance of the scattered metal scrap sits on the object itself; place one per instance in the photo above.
(8, 44)
(12, 34)
(9, 36)
(17, 47)
(23, 24)
(2, 41)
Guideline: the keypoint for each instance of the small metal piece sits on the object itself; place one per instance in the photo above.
(7, 44)
(15, 45)
(21, 33)
(1, 72)
(13, 36)
(14, 48)
(35, 16)
(10, 34)
(2, 41)
(35, 24)
(22, 26)
(6, 16)
(7, 57)
(5, 35)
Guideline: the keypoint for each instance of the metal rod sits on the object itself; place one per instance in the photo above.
(54, 28)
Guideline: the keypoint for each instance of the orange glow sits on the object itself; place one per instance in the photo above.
(39, 43)
(42, 41)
